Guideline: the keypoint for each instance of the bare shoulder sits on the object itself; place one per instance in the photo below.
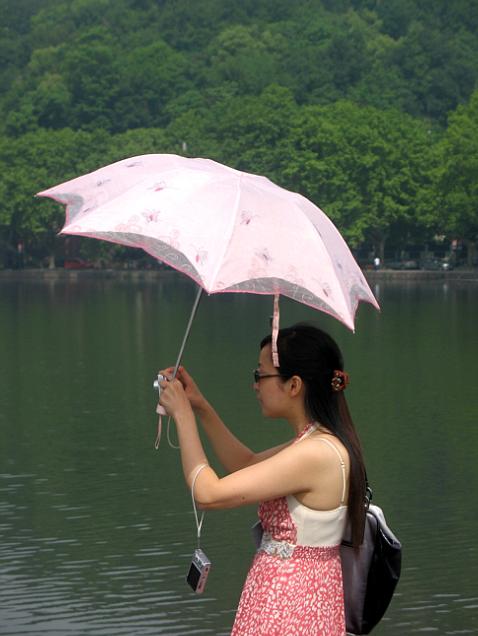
(323, 454)
(319, 451)
(326, 448)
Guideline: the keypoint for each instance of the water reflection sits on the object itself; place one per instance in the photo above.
(96, 529)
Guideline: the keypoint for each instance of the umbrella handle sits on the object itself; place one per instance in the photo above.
(160, 410)
(188, 329)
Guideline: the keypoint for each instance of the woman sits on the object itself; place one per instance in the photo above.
(307, 488)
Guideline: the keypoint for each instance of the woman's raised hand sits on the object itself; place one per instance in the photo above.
(173, 398)
(196, 398)
(191, 390)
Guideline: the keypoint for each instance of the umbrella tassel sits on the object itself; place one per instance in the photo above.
(158, 434)
(160, 411)
(275, 331)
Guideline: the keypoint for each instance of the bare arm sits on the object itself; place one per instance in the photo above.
(295, 470)
(230, 451)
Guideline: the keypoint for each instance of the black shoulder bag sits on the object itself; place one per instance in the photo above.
(371, 574)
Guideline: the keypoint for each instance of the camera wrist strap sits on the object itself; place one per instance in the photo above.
(161, 411)
(199, 522)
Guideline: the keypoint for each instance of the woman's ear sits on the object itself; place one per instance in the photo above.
(295, 385)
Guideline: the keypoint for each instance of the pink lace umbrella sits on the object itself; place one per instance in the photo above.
(230, 231)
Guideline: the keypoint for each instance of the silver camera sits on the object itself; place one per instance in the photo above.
(158, 379)
(198, 571)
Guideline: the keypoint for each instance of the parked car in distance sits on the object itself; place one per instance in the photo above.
(393, 265)
(408, 264)
(436, 264)
(77, 263)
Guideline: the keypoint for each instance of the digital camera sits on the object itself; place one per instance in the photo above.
(198, 571)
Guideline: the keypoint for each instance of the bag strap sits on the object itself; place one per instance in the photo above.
(368, 493)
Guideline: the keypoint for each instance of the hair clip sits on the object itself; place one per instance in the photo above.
(340, 379)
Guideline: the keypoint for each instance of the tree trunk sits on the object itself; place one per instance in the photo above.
(382, 250)
(51, 261)
(471, 253)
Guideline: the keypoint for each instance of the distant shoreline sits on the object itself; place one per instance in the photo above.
(419, 275)
(137, 275)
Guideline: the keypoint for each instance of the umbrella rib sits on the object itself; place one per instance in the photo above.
(220, 259)
(326, 249)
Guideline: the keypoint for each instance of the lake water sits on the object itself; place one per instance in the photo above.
(96, 527)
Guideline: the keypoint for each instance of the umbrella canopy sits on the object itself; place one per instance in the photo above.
(228, 230)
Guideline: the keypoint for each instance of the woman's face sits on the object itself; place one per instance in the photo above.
(270, 391)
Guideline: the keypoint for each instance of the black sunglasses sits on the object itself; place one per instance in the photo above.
(258, 376)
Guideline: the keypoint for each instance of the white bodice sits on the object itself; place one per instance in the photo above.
(317, 527)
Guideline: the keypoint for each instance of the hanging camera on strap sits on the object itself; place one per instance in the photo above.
(200, 564)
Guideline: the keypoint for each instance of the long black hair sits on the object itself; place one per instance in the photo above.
(313, 355)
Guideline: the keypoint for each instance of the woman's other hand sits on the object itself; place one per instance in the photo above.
(194, 395)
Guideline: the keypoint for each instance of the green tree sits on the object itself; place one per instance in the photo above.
(151, 76)
(52, 102)
(39, 96)
(248, 56)
(364, 167)
(32, 163)
(441, 71)
(251, 133)
(91, 73)
(323, 52)
(139, 141)
(457, 176)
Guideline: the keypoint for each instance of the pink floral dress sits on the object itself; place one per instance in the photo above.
(294, 589)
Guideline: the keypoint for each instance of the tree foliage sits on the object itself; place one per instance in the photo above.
(458, 175)
(365, 107)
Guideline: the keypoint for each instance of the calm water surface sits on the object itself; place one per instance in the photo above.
(96, 527)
